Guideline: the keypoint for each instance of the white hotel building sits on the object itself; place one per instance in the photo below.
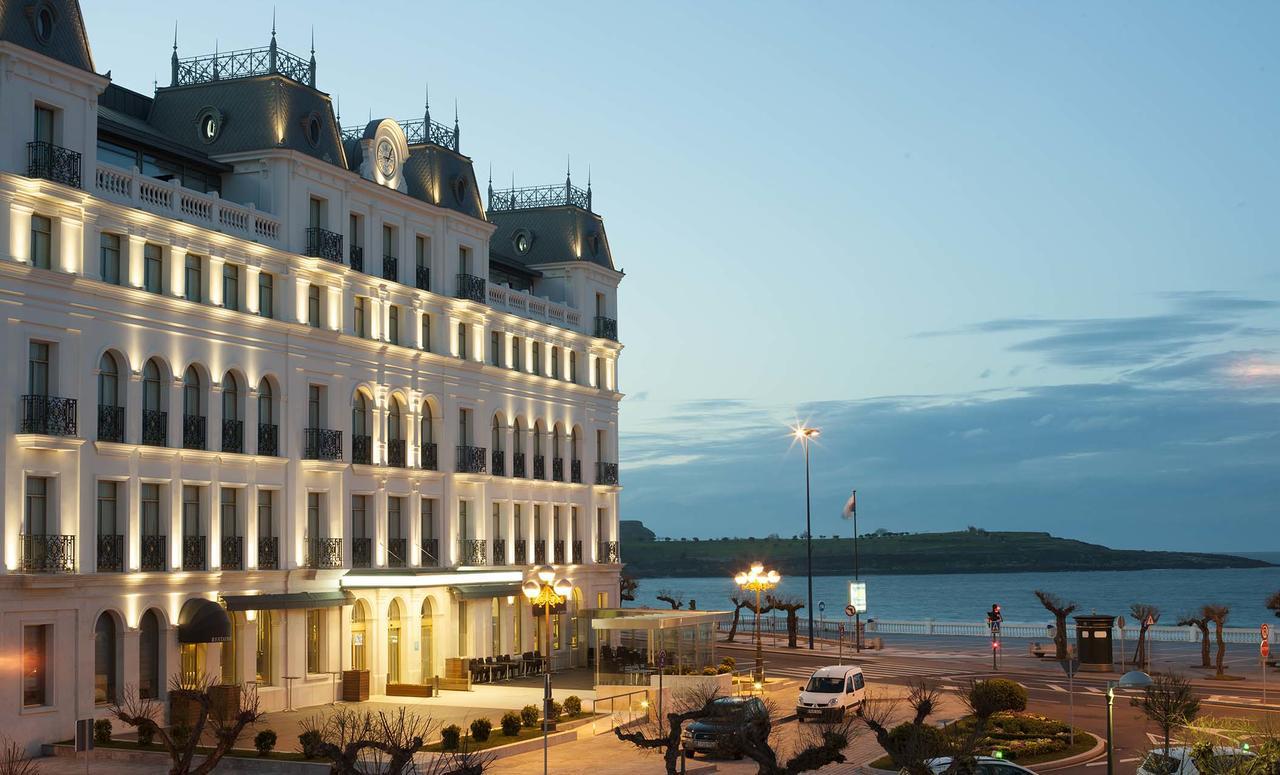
(285, 399)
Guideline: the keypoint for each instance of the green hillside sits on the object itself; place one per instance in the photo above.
(970, 551)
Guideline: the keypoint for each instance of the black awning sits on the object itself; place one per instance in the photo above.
(203, 621)
(288, 600)
(484, 591)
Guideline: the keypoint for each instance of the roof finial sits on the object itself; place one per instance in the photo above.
(491, 184)
(338, 115)
(175, 36)
(589, 188)
(273, 24)
(173, 60)
(456, 145)
(313, 41)
(426, 109)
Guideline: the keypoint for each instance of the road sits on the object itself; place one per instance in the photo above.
(953, 662)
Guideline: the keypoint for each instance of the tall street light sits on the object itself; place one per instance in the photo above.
(804, 435)
(1134, 679)
(758, 580)
(544, 589)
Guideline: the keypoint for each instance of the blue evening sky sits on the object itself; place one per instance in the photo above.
(1017, 259)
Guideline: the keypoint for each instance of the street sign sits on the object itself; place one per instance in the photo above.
(1070, 666)
(822, 606)
(1120, 622)
(1150, 621)
(858, 595)
(849, 610)
(662, 659)
(1266, 631)
(842, 628)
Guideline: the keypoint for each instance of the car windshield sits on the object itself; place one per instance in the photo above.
(1159, 764)
(727, 709)
(821, 685)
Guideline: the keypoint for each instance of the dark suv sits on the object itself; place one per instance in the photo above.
(719, 733)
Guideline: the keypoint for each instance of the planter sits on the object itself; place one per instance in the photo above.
(183, 711)
(355, 685)
(224, 701)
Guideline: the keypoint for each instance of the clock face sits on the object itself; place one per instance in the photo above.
(209, 127)
(386, 158)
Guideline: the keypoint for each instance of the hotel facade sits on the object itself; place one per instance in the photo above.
(286, 398)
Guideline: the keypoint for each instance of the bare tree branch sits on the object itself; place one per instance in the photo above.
(1060, 610)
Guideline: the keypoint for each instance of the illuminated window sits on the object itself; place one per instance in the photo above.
(265, 648)
(315, 636)
(35, 667)
(41, 241)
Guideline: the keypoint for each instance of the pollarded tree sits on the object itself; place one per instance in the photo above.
(1060, 610)
(1169, 702)
(914, 744)
(1202, 624)
(1273, 603)
(1218, 613)
(627, 587)
(792, 606)
(365, 742)
(1143, 613)
(673, 599)
(740, 603)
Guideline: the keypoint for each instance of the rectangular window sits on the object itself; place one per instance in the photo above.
(602, 600)
(422, 261)
(353, 227)
(316, 215)
(266, 295)
(428, 518)
(497, 520)
(190, 511)
(464, 427)
(536, 357)
(426, 332)
(152, 268)
(600, 305)
(517, 519)
(44, 124)
(538, 535)
(600, 373)
(393, 325)
(360, 322)
(315, 632)
(109, 258)
(495, 348)
(231, 286)
(313, 306)
(315, 406)
(555, 523)
(194, 279)
(464, 259)
(230, 505)
(555, 363)
(462, 341)
(41, 242)
(359, 517)
(266, 513)
(517, 350)
(464, 529)
(313, 515)
(35, 667)
(38, 369)
(573, 367)
(395, 523)
(107, 511)
(389, 247)
(149, 509)
(36, 515)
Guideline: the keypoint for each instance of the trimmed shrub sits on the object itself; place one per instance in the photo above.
(997, 694)
(146, 734)
(265, 742)
(573, 704)
(709, 670)
(556, 710)
(730, 661)
(480, 729)
(511, 723)
(449, 737)
(529, 715)
(921, 740)
(309, 743)
(102, 731)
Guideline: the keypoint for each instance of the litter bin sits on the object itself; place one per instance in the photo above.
(1093, 642)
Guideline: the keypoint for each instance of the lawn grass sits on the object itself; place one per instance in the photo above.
(496, 738)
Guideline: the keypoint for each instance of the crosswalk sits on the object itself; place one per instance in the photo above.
(876, 670)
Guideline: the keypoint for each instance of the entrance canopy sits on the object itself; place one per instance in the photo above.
(634, 643)
(288, 600)
(203, 621)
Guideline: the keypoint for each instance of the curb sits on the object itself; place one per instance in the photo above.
(1071, 761)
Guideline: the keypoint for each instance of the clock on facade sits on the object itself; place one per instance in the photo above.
(386, 158)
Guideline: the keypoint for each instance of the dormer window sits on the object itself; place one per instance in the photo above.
(42, 22)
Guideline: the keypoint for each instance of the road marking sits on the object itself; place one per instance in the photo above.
(1056, 688)
(1096, 764)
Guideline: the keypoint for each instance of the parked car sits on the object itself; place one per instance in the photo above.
(1180, 762)
(716, 734)
(983, 765)
(831, 692)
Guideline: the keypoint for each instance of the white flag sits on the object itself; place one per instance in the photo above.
(852, 505)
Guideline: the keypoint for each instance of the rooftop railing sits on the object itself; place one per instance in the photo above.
(417, 132)
(246, 63)
(529, 197)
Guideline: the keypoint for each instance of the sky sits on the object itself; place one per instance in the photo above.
(1018, 261)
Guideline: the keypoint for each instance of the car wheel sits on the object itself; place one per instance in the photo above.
(689, 754)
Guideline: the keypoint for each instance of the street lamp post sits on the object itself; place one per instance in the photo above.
(1134, 679)
(544, 589)
(758, 580)
(804, 435)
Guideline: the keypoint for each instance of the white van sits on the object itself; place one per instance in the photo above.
(830, 692)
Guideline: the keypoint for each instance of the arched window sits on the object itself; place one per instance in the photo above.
(428, 642)
(537, 439)
(192, 393)
(266, 403)
(230, 397)
(393, 642)
(265, 648)
(517, 438)
(359, 636)
(361, 430)
(151, 387)
(556, 445)
(576, 444)
(108, 381)
(104, 660)
(496, 441)
(360, 416)
(426, 425)
(149, 656)
(394, 428)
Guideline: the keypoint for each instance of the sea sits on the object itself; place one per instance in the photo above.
(965, 597)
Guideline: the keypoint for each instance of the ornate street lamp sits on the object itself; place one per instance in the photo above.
(1134, 679)
(758, 580)
(544, 589)
(804, 434)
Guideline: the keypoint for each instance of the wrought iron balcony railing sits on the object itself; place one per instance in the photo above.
(522, 551)
(576, 559)
(155, 428)
(531, 197)
(606, 473)
(53, 162)
(110, 553)
(111, 423)
(361, 449)
(193, 431)
(324, 553)
(499, 463)
(397, 552)
(322, 243)
(423, 278)
(48, 416)
(606, 328)
(48, 553)
(559, 552)
(390, 268)
(607, 553)
(517, 465)
(471, 287)
(268, 439)
(472, 551)
(540, 551)
(430, 552)
(246, 63)
(499, 551)
(355, 255)
(396, 453)
(557, 469)
(269, 553)
(470, 460)
(362, 552)
(233, 436)
(322, 444)
(233, 552)
(575, 471)
(154, 555)
(429, 456)
(539, 467)
(195, 552)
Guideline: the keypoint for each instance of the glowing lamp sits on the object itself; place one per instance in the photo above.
(530, 589)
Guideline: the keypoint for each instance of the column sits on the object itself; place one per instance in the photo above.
(136, 243)
(380, 525)
(252, 304)
(213, 280)
(414, 514)
(301, 287)
(177, 271)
